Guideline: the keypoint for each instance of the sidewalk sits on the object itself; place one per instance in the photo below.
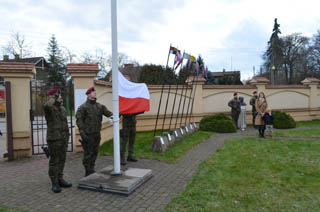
(25, 184)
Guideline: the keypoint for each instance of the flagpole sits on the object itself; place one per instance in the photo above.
(175, 96)
(155, 128)
(165, 111)
(183, 85)
(184, 101)
(115, 95)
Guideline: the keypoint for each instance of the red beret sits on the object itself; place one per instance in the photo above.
(235, 93)
(254, 92)
(90, 90)
(52, 91)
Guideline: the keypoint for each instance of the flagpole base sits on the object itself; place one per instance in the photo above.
(125, 184)
(114, 173)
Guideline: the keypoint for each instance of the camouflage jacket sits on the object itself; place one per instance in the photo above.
(89, 116)
(128, 121)
(235, 105)
(253, 103)
(56, 118)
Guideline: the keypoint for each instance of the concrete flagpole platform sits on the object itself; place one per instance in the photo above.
(125, 184)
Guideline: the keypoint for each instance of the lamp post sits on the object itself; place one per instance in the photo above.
(273, 68)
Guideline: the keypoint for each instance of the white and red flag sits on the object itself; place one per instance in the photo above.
(133, 97)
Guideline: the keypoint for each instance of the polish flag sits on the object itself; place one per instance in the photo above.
(133, 97)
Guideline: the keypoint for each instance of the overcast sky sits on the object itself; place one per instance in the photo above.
(230, 34)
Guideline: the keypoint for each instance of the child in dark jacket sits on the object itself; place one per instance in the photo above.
(268, 118)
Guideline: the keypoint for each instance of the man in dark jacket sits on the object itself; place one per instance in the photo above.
(89, 118)
(253, 104)
(235, 108)
(57, 138)
(128, 133)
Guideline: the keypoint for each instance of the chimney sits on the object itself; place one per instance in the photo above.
(5, 57)
(16, 57)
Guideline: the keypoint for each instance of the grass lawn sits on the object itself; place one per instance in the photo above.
(315, 132)
(250, 174)
(308, 123)
(143, 144)
(6, 209)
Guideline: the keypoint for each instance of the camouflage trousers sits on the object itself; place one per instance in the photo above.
(235, 117)
(254, 114)
(58, 152)
(128, 134)
(90, 146)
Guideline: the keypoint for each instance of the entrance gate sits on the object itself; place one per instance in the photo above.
(38, 97)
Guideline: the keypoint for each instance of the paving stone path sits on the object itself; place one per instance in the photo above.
(25, 185)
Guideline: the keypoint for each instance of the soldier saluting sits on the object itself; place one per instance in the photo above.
(57, 138)
(89, 118)
(235, 108)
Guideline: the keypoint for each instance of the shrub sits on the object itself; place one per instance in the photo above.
(219, 116)
(283, 120)
(220, 123)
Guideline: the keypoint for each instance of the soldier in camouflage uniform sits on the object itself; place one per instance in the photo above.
(253, 104)
(128, 133)
(89, 118)
(235, 108)
(57, 139)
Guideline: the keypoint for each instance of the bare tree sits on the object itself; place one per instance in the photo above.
(294, 50)
(67, 55)
(104, 61)
(17, 45)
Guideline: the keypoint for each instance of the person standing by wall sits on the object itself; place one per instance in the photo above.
(235, 108)
(89, 118)
(261, 106)
(253, 104)
(57, 138)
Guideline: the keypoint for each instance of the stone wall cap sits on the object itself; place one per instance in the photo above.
(229, 86)
(101, 82)
(310, 80)
(17, 66)
(82, 67)
(259, 80)
(196, 79)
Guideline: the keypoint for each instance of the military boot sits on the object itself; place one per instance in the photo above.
(131, 158)
(89, 171)
(64, 184)
(55, 186)
(123, 159)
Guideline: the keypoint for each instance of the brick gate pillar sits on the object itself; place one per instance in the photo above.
(19, 75)
(83, 78)
(312, 83)
(197, 87)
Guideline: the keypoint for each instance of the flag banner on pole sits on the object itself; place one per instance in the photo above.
(186, 56)
(173, 50)
(178, 57)
(178, 60)
(191, 61)
(192, 58)
(197, 67)
(204, 71)
(133, 97)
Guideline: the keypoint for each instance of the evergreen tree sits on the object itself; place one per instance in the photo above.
(157, 75)
(57, 72)
(274, 56)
